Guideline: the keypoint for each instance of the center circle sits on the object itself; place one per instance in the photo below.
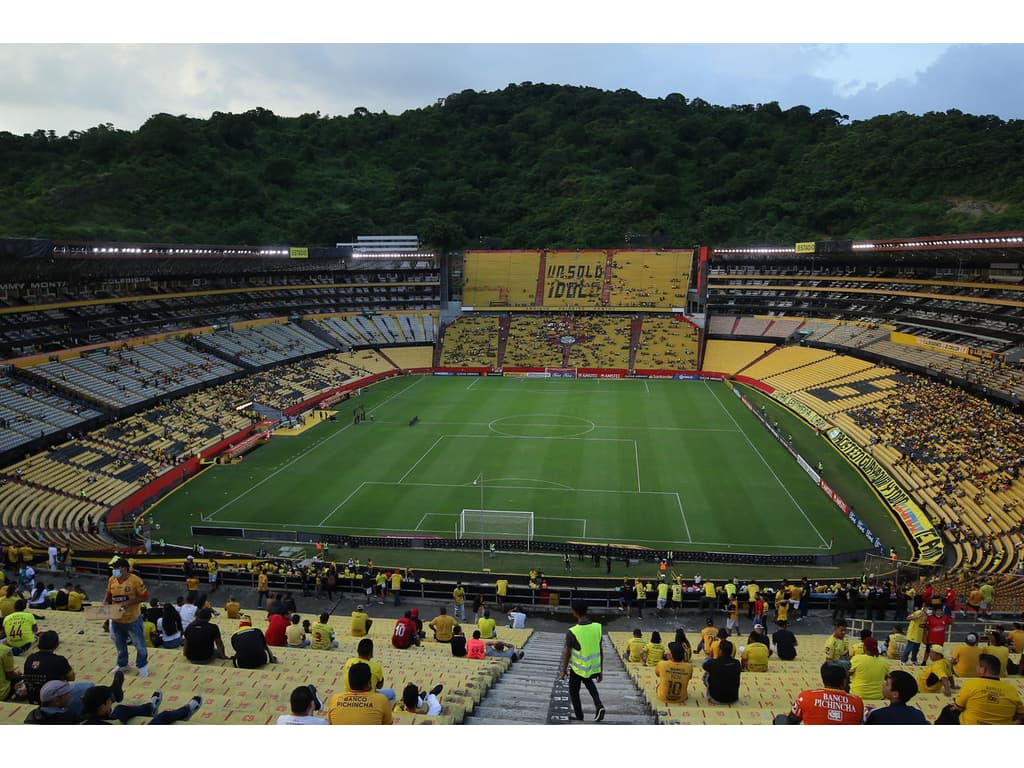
(541, 425)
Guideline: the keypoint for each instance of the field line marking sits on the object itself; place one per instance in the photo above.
(423, 519)
(647, 389)
(309, 450)
(640, 427)
(473, 383)
(636, 455)
(765, 462)
(421, 458)
(682, 513)
(343, 503)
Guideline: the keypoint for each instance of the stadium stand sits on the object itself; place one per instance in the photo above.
(667, 343)
(472, 340)
(733, 356)
(500, 278)
(649, 278)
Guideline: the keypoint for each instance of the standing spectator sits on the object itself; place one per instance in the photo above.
(251, 650)
(126, 592)
(203, 643)
(829, 705)
(785, 642)
(51, 555)
(396, 585)
(898, 689)
(674, 676)
(988, 596)
(935, 628)
(360, 705)
(405, 634)
(304, 702)
(722, 675)
(583, 660)
(915, 635)
(459, 600)
(213, 575)
(361, 622)
(478, 607)
(262, 588)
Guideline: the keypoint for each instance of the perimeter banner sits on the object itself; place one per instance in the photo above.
(801, 409)
(926, 539)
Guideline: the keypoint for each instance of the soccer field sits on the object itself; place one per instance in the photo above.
(658, 463)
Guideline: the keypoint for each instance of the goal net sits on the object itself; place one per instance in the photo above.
(487, 524)
(560, 373)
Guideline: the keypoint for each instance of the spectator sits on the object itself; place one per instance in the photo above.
(187, 609)
(361, 622)
(458, 642)
(475, 648)
(997, 647)
(364, 655)
(987, 700)
(232, 608)
(654, 651)
(517, 618)
(360, 705)
(203, 643)
(722, 675)
(635, 647)
(898, 689)
(170, 628)
(20, 629)
(10, 678)
(324, 638)
(837, 647)
(674, 676)
(459, 601)
(502, 649)
(304, 702)
(295, 633)
(756, 653)
(419, 702)
(487, 625)
(964, 657)
(54, 706)
(915, 635)
(277, 629)
(442, 626)
(45, 665)
(99, 708)
(251, 650)
(707, 636)
(405, 634)
(829, 705)
(938, 675)
(868, 671)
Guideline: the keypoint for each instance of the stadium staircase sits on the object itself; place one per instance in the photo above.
(317, 330)
(268, 413)
(504, 325)
(529, 693)
(636, 326)
(606, 290)
(538, 298)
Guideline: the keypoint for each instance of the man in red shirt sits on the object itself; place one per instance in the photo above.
(935, 629)
(949, 603)
(405, 633)
(830, 705)
(276, 628)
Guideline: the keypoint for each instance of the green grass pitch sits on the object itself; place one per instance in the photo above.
(657, 463)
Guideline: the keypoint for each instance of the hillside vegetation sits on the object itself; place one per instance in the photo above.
(524, 167)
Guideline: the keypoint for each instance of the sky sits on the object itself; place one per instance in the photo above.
(64, 69)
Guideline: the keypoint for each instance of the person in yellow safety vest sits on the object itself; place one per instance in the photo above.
(582, 660)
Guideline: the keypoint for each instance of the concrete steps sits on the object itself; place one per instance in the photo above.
(531, 693)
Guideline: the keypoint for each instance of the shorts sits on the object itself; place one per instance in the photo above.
(662, 602)
(732, 623)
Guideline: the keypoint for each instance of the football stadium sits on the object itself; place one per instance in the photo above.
(676, 439)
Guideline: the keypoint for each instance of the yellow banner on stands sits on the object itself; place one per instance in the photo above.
(910, 340)
(298, 253)
(806, 247)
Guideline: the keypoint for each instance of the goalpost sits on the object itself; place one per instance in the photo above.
(495, 524)
(560, 373)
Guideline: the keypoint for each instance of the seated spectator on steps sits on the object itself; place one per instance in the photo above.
(304, 702)
(202, 639)
(420, 702)
(100, 710)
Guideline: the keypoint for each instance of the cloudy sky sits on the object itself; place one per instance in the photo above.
(65, 70)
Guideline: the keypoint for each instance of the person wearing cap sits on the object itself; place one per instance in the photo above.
(898, 689)
(828, 705)
(938, 675)
(19, 628)
(250, 647)
(987, 700)
(203, 643)
(964, 657)
(45, 665)
(99, 708)
(54, 706)
(127, 592)
(868, 670)
(361, 622)
(674, 676)
(756, 653)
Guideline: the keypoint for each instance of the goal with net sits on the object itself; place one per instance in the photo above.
(560, 373)
(495, 524)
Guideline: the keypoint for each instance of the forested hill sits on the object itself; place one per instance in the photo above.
(527, 166)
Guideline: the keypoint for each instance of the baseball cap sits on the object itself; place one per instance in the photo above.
(972, 639)
(415, 611)
(759, 626)
(53, 690)
(360, 607)
(937, 649)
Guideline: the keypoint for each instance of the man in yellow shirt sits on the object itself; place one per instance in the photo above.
(396, 585)
(459, 599)
(1015, 638)
(361, 622)
(443, 626)
(755, 655)
(673, 676)
(938, 675)
(915, 634)
(895, 643)
(262, 588)
(322, 636)
(964, 657)
(360, 705)
(501, 591)
(635, 647)
(709, 599)
(986, 699)
(868, 671)
(837, 647)
(707, 636)
(364, 651)
(19, 628)
(487, 626)
(232, 608)
(126, 592)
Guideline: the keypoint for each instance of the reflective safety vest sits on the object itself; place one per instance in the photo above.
(586, 662)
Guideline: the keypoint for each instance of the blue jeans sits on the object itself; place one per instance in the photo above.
(910, 651)
(121, 633)
(77, 691)
(125, 712)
